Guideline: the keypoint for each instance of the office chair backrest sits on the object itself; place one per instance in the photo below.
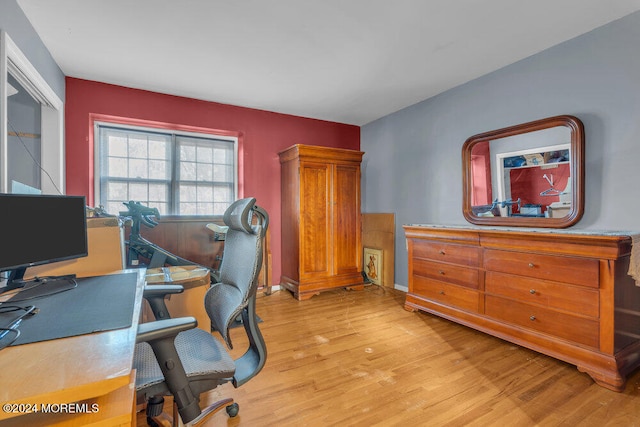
(241, 263)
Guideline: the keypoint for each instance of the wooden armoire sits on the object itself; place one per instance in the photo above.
(321, 225)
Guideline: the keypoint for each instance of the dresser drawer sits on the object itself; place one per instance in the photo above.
(446, 293)
(576, 299)
(450, 273)
(573, 328)
(447, 252)
(567, 269)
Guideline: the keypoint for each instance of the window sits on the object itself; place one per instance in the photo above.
(24, 148)
(179, 173)
(31, 123)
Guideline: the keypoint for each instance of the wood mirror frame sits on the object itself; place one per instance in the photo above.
(576, 171)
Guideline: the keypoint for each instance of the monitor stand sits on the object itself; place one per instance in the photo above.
(34, 287)
(15, 280)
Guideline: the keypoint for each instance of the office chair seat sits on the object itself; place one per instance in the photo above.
(204, 359)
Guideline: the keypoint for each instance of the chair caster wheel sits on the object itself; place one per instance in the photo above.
(233, 409)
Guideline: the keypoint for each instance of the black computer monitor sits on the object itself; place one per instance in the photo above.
(39, 229)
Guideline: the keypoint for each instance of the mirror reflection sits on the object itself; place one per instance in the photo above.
(524, 175)
(533, 181)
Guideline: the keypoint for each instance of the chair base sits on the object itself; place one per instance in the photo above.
(156, 418)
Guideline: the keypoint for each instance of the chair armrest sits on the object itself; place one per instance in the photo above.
(151, 291)
(155, 295)
(168, 328)
(161, 335)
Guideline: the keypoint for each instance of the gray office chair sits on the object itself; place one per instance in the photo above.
(174, 358)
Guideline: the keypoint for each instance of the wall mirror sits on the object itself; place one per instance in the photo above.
(528, 175)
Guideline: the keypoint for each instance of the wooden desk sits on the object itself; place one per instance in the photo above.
(195, 280)
(93, 370)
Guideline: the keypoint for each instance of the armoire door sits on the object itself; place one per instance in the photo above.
(315, 220)
(346, 220)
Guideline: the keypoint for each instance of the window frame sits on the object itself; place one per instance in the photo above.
(166, 128)
(52, 163)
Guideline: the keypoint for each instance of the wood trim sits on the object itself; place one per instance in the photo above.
(24, 134)
(317, 153)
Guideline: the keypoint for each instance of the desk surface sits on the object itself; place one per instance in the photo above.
(74, 369)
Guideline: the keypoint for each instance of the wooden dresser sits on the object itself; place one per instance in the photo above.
(562, 293)
(321, 225)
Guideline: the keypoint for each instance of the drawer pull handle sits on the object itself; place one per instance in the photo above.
(441, 252)
(441, 292)
(531, 265)
(532, 291)
(441, 272)
(532, 318)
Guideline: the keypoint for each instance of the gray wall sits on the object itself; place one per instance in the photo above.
(412, 165)
(18, 27)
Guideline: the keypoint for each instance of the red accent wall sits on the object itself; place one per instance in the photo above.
(262, 135)
(481, 163)
(528, 183)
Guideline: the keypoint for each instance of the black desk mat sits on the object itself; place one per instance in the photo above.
(97, 304)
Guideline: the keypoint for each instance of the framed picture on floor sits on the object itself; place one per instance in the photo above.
(373, 265)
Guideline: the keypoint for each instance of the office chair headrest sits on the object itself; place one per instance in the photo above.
(238, 215)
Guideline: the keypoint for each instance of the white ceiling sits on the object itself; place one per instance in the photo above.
(349, 61)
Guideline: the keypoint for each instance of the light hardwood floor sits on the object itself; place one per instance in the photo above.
(357, 358)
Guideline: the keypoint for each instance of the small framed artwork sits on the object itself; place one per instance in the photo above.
(373, 265)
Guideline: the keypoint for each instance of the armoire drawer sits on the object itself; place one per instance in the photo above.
(576, 299)
(447, 252)
(450, 273)
(567, 269)
(446, 293)
(573, 328)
